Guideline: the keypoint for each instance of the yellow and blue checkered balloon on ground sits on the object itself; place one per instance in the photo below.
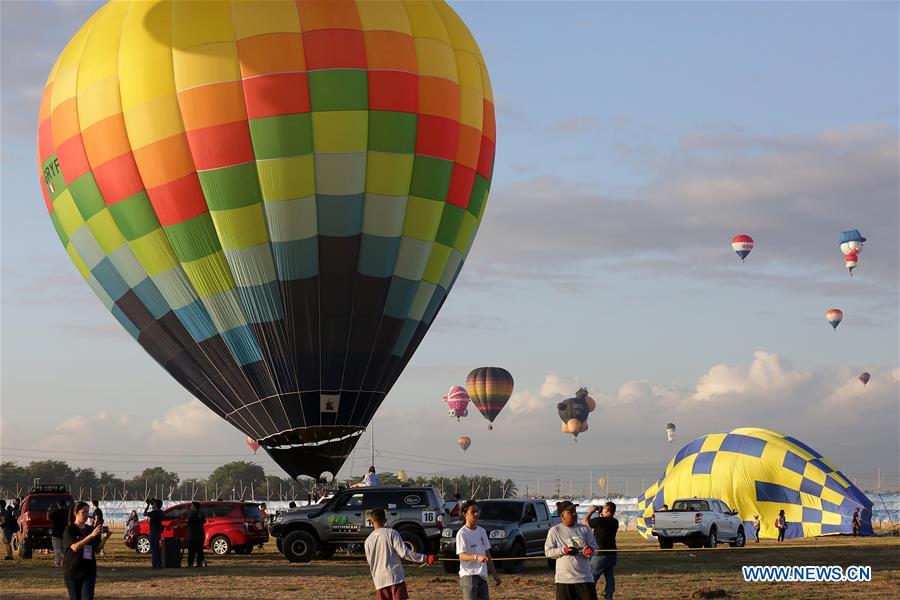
(760, 472)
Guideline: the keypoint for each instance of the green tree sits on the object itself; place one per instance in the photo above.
(12, 478)
(155, 482)
(236, 480)
(48, 471)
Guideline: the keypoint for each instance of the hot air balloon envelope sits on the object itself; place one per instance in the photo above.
(742, 245)
(670, 432)
(253, 444)
(274, 202)
(489, 389)
(864, 377)
(834, 317)
(464, 442)
(758, 472)
(457, 400)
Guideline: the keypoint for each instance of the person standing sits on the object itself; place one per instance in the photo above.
(81, 544)
(604, 563)
(384, 549)
(473, 550)
(8, 526)
(97, 517)
(757, 525)
(265, 519)
(132, 520)
(59, 519)
(196, 536)
(572, 545)
(856, 522)
(153, 512)
(781, 524)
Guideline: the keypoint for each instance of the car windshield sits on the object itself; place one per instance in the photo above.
(690, 506)
(42, 503)
(500, 511)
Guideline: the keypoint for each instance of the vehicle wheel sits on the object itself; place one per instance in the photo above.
(220, 545)
(739, 539)
(21, 549)
(665, 543)
(711, 540)
(515, 566)
(142, 544)
(450, 566)
(243, 549)
(299, 546)
(278, 544)
(413, 541)
(326, 552)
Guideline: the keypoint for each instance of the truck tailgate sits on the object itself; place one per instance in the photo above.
(674, 520)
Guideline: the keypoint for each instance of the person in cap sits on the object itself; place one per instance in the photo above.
(572, 545)
(757, 525)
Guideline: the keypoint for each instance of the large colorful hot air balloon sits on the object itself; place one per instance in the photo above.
(834, 317)
(670, 432)
(253, 444)
(457, 400)
(759, 472)
(742, 245)
(574, 412)
(489, 388)
(864, 377)
(273, 198)
(464, 442)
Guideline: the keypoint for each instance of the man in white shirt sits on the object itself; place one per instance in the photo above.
(473, 550)
(572, 544)
(384, 549)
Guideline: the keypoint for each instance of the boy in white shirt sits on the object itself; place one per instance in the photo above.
(384, 549)
(473, 550)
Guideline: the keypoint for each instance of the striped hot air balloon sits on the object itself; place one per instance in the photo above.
(834, 317)
(742, 245)
(489, 388)
(273, 198)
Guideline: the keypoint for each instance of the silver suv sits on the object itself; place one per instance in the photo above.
(316, 531)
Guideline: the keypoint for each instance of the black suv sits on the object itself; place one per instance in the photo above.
(316, 531)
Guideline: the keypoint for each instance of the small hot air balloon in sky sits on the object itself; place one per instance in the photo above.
(401, 475)
(464, 442)
(457, 400)
(864, 377)
(742, 245)
(602, 483)
(670, 431)
(254, 445)
(834, 317)
(489, 388)
(574, 412)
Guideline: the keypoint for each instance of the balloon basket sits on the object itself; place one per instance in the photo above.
(490, 427)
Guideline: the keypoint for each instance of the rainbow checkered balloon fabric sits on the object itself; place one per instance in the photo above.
(273, 198)
(760, 472)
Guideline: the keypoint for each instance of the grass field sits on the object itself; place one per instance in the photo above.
(658, 575)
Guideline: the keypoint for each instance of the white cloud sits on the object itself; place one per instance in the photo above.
(767, 374)
(554, 389)
(186, 423)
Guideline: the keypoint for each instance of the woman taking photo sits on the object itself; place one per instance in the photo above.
(81, 544)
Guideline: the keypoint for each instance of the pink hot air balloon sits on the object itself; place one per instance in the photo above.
(254, 445)
(457, 400)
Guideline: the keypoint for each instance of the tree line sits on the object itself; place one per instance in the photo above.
(231, 481)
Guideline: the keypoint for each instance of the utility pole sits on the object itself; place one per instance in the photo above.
(557, 487)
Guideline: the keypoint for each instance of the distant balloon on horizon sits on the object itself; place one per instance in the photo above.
(742, 245)
(864, 377)
(834, 317)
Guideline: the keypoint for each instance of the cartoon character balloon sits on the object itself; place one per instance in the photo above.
(464, 442)
(742, 245)
(574, 412)
(834, 317)
(864, 377)
(457, 400)
(254, 445)
(274, 202)
(490, 389)
(670, 432)
(851, 241)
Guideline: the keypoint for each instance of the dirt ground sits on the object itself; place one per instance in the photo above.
(659, 575)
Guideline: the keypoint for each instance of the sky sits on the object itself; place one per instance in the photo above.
(634, 141)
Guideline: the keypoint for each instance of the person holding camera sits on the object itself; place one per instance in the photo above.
(605, 528)
(153, 512)
(572, 545)
(82, 543)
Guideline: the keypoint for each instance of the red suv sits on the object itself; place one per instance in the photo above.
(237, 526)
(34, 518)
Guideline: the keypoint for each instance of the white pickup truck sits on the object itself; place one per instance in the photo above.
(698, 522)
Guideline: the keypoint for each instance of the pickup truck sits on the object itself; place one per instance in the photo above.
(316, 531)
(698, 522)
(515, 528)
(34, 519)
